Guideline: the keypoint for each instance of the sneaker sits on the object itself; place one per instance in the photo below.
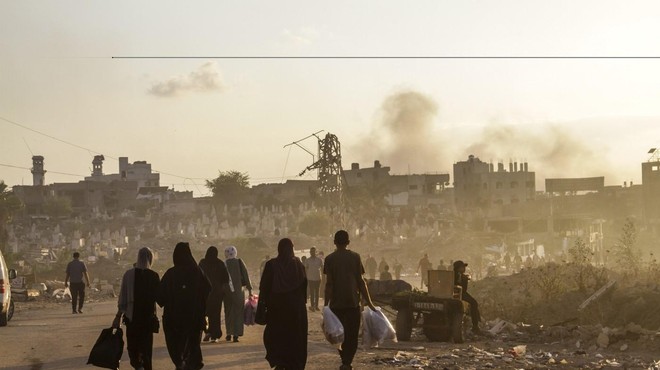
(74, 312)
(79, 311)
(235, 339)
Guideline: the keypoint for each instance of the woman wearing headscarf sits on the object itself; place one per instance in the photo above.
(283, 288)
(137, 305)
(182, 294)
(235, 297)
(216, 271)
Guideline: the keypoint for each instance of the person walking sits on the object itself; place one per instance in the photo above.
(216, 271)
(282, 290)
(423, 268)
(182, 294)
(75, 271)
(313, 267)
(137, 305)
(397, 269)
(371, 264)
(235, 297)
(345, 288)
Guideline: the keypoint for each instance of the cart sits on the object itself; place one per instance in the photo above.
(440, 312)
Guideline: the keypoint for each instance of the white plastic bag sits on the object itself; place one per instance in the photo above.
(376, 328)
(332, 328)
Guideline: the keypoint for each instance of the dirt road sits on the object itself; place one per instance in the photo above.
(53, 338)
(48, 336)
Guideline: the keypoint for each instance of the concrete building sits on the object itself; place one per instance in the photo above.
(478, 186)
(138, 171)
(651, 188)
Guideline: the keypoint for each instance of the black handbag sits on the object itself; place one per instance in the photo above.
(260, 315)
(108, 349)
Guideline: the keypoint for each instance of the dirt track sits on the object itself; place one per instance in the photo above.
(48, 336)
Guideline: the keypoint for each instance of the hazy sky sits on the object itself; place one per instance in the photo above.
(193, 117)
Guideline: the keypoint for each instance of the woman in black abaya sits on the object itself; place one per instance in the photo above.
(216, 271)
(182, 294)
(283, 288)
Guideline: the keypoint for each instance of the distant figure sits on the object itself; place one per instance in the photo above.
(382, 264)
(397, 269)
(371, 265)
(282, 290)
(517, 262)
(423, 268)
(303, 259)
(313, 267)
(322, 287)
(137, 305)
(235, 297)
(75, 271)
(442, 265)
(385, 275)
(507, 262)
(461, 279)
(182, 294)
(344, 291)
(216, 271)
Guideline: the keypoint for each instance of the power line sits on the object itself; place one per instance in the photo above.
(50, 136)
(84, 148)
(49, 171)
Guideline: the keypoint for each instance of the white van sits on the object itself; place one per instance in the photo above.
(6, 304)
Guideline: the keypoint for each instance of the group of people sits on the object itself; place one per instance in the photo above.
(191, 296)
(383, 268)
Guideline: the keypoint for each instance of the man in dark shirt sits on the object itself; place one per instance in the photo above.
(461, 279)
(75, 271)
(344, 289)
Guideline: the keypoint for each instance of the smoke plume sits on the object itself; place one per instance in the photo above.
(551, 150)
(207, 78)
(403, 136)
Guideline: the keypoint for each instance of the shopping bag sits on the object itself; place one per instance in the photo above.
(376, 328)
(250, 310)
(108, 349)
(332, 328)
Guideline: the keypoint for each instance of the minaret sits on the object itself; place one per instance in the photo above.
(97, 165)
(38, 172)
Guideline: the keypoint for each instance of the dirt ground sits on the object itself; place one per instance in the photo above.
(45, 335)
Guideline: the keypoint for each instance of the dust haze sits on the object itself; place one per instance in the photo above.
(404, 134)
(407, 136)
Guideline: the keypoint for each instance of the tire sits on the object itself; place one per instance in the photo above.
(436, 327)
(10, 311)
(404, 323)
(3, 318)
(457, 328)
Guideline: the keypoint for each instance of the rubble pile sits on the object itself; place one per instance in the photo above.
(551, 296)
(517, 357)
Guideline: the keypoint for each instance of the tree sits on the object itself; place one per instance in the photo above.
(9, 205)
(626, 254)
(229, 187)
(581, 255)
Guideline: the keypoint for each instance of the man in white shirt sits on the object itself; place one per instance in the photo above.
(313, 267)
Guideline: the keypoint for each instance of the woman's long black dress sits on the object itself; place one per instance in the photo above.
(285, 335)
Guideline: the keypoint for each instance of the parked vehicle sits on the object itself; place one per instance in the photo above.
(6, 304)
(440, 312)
